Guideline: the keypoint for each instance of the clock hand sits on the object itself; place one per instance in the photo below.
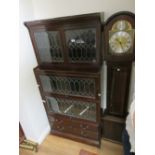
(120, 43)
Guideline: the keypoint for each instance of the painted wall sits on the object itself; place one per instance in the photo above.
(32, 114)
(31, 111)
(57, 8)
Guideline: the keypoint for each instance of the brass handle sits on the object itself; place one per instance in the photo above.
(83, 133)
(62, 128)
(86, 127)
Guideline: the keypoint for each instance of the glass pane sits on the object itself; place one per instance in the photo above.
(78, 109)
(49, 46)
(81, 45)
(68, 85)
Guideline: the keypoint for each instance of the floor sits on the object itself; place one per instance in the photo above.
(54, 145)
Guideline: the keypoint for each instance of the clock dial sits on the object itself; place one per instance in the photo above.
(119, 37)
(120, 42)
(121, 25)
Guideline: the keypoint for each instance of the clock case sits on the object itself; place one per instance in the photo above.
(128, 16)
(118, 82)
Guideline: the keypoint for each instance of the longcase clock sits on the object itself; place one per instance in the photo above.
(119, 52)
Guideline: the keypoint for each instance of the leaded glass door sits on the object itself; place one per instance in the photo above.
(81, 45)
(69, 85)
(49, 46)
(71, 107)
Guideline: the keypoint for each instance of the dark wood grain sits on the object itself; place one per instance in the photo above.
(112, 128)
(118, 81)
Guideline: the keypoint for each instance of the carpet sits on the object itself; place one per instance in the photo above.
(84, 152)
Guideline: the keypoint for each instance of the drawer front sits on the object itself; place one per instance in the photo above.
(76, 124)
(76, 128)
(76, 131)
(86, 133)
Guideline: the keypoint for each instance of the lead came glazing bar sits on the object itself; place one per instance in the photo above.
(81, 113)
(68, 108)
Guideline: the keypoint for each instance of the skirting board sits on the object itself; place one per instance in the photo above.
(44, 134)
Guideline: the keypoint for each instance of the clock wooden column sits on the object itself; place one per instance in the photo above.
(119, 54)
(118, 88)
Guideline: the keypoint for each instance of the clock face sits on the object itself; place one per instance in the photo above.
(120, 42)
(119, 37)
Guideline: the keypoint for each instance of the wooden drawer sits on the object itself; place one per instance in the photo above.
(76, 127)
(86, 133)
(73, 123)
(76, 131)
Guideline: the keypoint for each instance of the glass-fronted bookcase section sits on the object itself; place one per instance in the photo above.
(64, 41)
(72, 108)
(70, 93)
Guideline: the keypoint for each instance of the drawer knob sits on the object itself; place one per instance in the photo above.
(86, 127)
(118, 69)
(81, 125)
(82, 133)
(99, 94)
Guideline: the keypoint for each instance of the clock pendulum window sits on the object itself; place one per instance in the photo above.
(119, 53)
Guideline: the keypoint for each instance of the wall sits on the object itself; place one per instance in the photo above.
(57, 8)
(132, 85)
(31, 111)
